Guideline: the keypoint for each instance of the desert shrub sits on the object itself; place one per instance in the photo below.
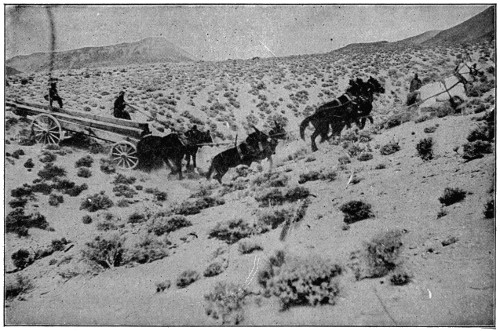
(84, 172)
(19, 223)
(380, 166)
(50, 171)
(317, 175)
(355, 211)
(430, 129)
(273, 179)
(214, 269)
(301, 281)
(123, 190)
(225, 302)
(232, 231)
(107, 166)
(399, 278)
(296, 193)
(86, 219)
(23, 191)
(157, 194)
(69, 187)
(55, 200)
(452, 195)
(146, 251)
(489, 209)
(42, 187)
(382, 254)
(18, 203)
(187, 278)
(365, 156)
(47, 157)
(136, 217)
(96, 202)
(482, 132)
(390, 148)
(162, 286)
(124, 203)
(122, 179)
(271, 219)
(269, 197)
(423, 118)
(21, 259)
(344, 160)
(247, 246)
(29, 163)
(191, 207)
(106, 226)
(476, 149)
(106, 252)
(424, 148)
(85, 161)
(174, 223)
(18, 286)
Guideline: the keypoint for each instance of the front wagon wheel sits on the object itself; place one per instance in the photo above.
(46, 129)
(124, 154)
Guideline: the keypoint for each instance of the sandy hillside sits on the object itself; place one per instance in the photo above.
(135, 248)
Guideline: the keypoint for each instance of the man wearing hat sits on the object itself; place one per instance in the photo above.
(53, 95)
(119, 108)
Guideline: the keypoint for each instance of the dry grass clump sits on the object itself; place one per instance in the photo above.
(355, 211)
(390, 148)
(84, 172)
(300, 281)
(96, 202)
(275, 196)
(195, 206)
(187, 278)
(247, 246)
(452, 196)
(225, 302)
(273, 179)
(324, 174)
(214, 269)
(232, 231)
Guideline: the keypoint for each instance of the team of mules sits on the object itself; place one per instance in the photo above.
(353, 107)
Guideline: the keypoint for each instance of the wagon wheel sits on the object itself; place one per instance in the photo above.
(124, 154)
(46, 129)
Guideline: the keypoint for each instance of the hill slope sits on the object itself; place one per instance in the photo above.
(149, 50)
(476, 28)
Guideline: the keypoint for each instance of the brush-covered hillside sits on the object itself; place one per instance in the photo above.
(390, 225)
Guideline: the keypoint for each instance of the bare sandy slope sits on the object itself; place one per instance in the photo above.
(450, 285)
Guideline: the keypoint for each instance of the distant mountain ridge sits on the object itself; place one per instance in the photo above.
(149, 50)
(477, 28)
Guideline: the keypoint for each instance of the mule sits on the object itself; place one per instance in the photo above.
(171, 149)
(257, 147)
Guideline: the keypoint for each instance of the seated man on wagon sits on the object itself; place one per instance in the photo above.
(119, 107)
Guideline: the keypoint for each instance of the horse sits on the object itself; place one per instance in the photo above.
(196, 138)
(257, 147)
(453, 88)
(354, 106)
(171, 149)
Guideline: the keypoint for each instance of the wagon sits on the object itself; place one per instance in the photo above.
(51, 126)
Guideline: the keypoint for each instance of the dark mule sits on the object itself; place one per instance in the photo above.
(257, 147)
(171, 149)
(199, 137)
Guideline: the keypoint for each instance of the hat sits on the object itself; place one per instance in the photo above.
(121, 92)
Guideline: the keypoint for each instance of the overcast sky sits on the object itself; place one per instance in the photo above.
(222, 32)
